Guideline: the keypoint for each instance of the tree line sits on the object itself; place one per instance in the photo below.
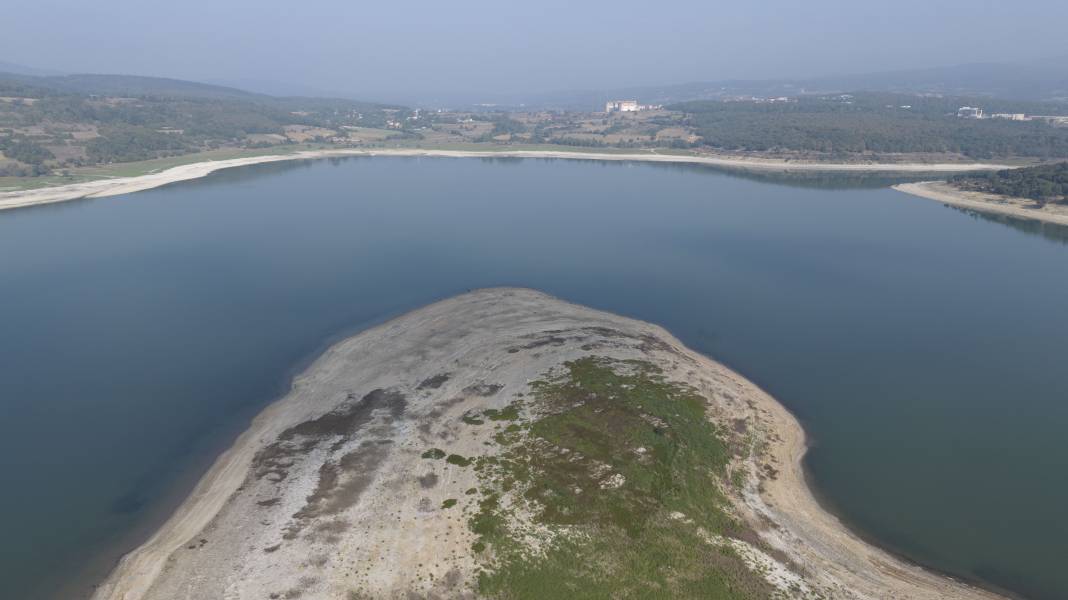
(843, 125)
(1043, 183)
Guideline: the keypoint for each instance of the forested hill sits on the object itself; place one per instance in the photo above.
(58, 122)
(1044, 183)
(847, 124)
(127, 85)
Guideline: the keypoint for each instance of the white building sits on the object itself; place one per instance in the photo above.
(1010, 116)
(622, 106)
(629, 106)
(970, 112)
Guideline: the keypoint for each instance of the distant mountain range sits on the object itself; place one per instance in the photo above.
(137, 85)
(1040, 80)
(126, 85)
(1045, 80)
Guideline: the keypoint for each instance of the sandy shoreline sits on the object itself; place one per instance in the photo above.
(469, 334)
(125, 185)
(1022, 208)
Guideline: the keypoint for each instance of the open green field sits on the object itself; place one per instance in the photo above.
(372, 134)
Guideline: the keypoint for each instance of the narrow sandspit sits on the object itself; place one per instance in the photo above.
(946, 193)
(374, 477)
(126, 185)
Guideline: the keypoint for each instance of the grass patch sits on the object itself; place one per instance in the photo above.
(471, 419)
(509, 435)
(434, 453)
(625, 471)
(508, 413)
(456, 459)
(449, 503)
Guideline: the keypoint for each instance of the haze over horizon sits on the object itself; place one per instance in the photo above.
(385, 52)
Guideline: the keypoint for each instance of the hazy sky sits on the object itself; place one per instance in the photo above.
(385, 48)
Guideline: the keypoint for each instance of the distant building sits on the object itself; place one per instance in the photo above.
(628, 106)
(1011, 116)
(1059, 120)
(621, 106)
(970, 112)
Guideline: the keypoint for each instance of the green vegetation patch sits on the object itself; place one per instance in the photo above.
(449, 503)
(434, 453)
(460, 461)
(1044, 183)
(508, 413)
(471, 419)
(622, 477)
(874, 122)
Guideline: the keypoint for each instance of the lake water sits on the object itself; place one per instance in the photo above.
(923, 348)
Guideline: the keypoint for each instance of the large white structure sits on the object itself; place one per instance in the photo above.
(629, 106)
(1011, 116)
(972, 112)
(622, 106)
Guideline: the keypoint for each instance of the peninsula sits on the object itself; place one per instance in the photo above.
(506, 443)
(1038, 193)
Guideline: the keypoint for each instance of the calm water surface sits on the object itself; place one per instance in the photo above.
(922, 347)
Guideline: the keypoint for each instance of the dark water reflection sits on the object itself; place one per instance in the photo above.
(1051, 231)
